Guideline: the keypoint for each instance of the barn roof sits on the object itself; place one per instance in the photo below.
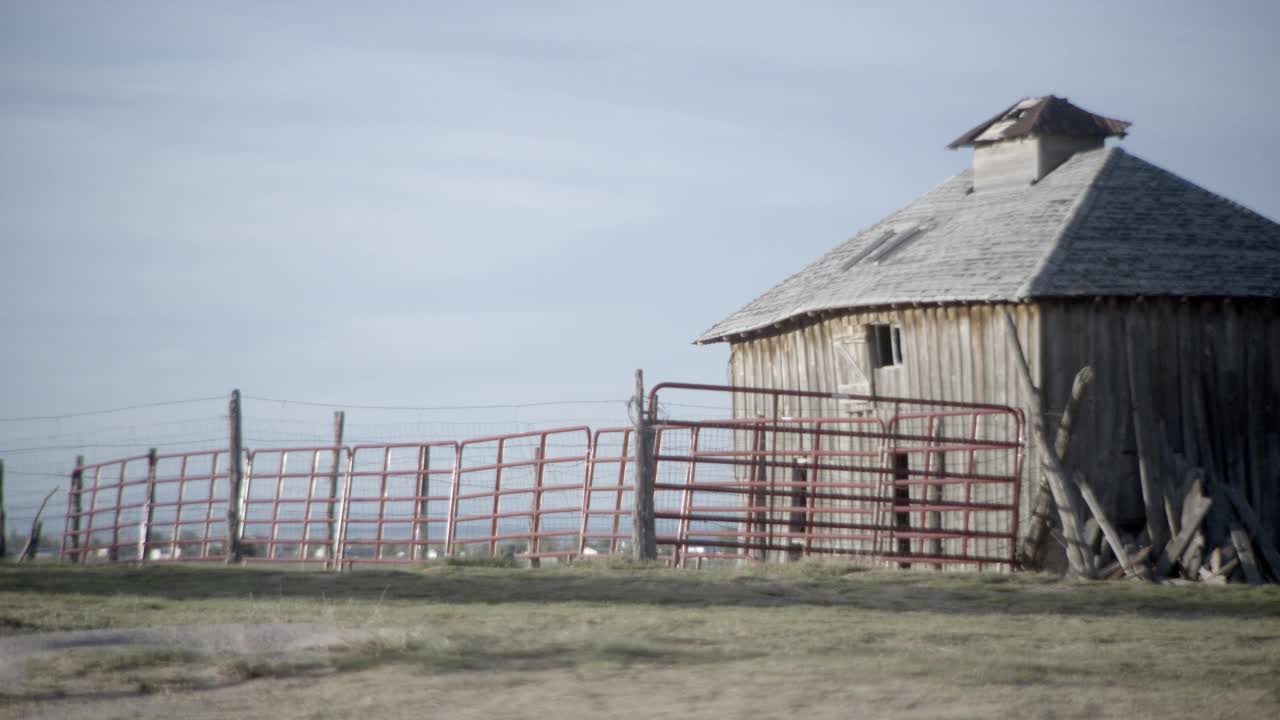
(1104, 223)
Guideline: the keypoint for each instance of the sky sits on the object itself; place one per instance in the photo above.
(438, 204)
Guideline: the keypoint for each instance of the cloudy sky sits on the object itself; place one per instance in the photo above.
(449, 203)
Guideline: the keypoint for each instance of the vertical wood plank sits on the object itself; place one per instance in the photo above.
(1188, 380)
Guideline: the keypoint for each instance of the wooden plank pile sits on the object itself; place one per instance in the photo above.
(1209, 535)
(1199, 524)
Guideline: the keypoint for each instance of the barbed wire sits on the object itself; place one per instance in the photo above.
(436, 408)
(101, 446)
(35, 452)
(86, 413)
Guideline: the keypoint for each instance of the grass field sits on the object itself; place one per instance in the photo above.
(609, 640)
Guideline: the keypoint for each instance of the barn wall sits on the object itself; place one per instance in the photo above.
(1209, 371)
(948, 353)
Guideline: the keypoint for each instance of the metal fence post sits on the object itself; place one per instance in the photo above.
(339, 422)
(235, 481)
(644, 545)
(451, 520)
(421, 508)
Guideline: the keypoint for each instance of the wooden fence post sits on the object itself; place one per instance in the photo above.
(33, 538)
(644, 545)
(113, 551)
(235, 481)
(77, 507)
(339, 423)
(33, 543)
(535, 514)
(148, 509)
(4, 531)
(933, 491)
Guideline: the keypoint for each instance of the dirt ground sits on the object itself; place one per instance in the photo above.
(227, 639)
(737, 690)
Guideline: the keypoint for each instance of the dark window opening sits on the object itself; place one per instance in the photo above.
(886, 344)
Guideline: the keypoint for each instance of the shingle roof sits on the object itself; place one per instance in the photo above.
(1048, 115)
(1103, 223)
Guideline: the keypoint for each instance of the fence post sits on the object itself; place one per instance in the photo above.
(644, 545)
(77, 507)
(451, 520)
(148, 509)
(113, 552)
(235, 481)
(37, 528)
(421, 516)
(535, 516)
(33, 542)
(4, 531)
(933, 490)
(339, 421)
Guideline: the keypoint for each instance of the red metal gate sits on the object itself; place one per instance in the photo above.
(520, 494)
(396, 501)
(148, 508)
(786, 475)
(899, 480)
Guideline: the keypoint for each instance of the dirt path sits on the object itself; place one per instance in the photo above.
(219, 640)
(735, 691)
(746, 689)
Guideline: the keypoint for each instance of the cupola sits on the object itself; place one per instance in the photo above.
(1031, 138)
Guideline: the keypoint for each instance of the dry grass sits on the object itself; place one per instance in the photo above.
(1026, 643)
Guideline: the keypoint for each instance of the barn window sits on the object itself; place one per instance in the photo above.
(886, 345)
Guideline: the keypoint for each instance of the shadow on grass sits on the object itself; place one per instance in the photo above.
(822, 585)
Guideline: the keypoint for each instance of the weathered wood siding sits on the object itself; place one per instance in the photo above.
(948, 353)
(1209, 371)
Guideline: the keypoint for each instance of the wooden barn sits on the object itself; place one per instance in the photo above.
(1102, 259)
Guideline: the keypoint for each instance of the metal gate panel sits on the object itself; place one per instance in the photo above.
(521, 494)
(290, 503)
(134, 510)
(395, 502)
(112, 500)
(188, 509)
(900, 480)
(607, 498)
